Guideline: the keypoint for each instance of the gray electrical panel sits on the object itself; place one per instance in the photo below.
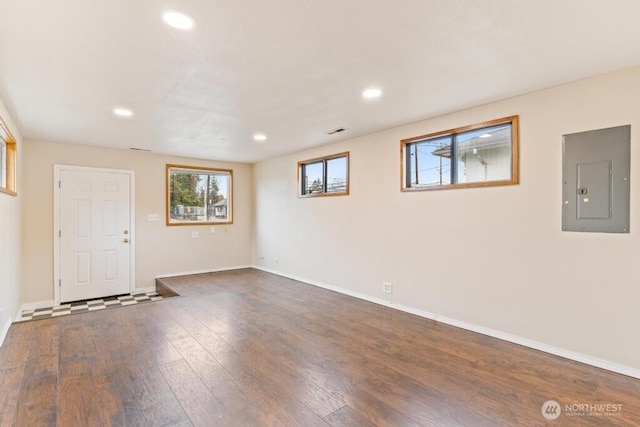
(595, 178)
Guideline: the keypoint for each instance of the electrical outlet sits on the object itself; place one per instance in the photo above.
(153, 217)
(387, 287)
(276, 261)
(212, 230)
(195, 234)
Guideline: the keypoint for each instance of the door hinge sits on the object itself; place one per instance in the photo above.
(59, 184)
(59, 233)
(59, 283)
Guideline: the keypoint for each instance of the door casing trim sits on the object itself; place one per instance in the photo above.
(57, 170)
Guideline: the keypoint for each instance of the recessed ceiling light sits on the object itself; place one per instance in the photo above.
(122, 112)
(485, 135)
(372, 93)
(178, 20)
(260, 137)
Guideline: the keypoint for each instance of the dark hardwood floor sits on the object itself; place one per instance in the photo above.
(247, 348)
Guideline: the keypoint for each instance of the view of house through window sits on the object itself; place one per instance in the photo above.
(198, 195)
(476, 155)
(7, 160)
(324, 176)
(3, 163)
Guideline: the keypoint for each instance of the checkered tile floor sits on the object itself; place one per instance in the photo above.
(85, 306)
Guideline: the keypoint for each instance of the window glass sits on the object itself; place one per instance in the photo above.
(472, 156)
(313, 178)
(485, 154)
(337, 175)
(8, 154)
(431, 162)
(3, 164)
(324, 176)
(198, 195)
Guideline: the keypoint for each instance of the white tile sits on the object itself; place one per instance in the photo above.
(40, 313)
(60, 313)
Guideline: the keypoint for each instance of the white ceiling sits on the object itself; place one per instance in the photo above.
(292, 69)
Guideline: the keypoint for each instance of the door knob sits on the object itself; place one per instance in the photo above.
(126, 240)
(126, 231)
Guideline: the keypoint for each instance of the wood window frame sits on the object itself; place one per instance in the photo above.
(8, 169)
(324, 159)
(228, 172)
(512, 120)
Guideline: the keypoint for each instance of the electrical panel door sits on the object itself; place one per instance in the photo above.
(595, 178)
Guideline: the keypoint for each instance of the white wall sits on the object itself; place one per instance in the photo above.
(491, 257)
(10, 243)
(160, 250)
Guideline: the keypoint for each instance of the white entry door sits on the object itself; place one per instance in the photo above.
(94, 234)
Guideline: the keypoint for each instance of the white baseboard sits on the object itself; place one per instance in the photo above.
(35, 306)
(3, 333)
(214, 270)
(145, 290)
(557, 351)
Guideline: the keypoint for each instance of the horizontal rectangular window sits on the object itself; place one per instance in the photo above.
(199, 195)
(8, 154)
(480, 155)
(324, 176)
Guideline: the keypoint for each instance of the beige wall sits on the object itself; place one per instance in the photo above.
(492, 257)
(10, 243)
(159, 249)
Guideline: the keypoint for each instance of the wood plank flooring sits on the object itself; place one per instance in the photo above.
(247, 348)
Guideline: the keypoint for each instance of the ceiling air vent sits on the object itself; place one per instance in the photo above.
(139, 149)
(333, 132)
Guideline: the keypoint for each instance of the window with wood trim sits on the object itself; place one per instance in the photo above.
(199, 195)
(324, 176)
(8, 154)
(480, 155)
